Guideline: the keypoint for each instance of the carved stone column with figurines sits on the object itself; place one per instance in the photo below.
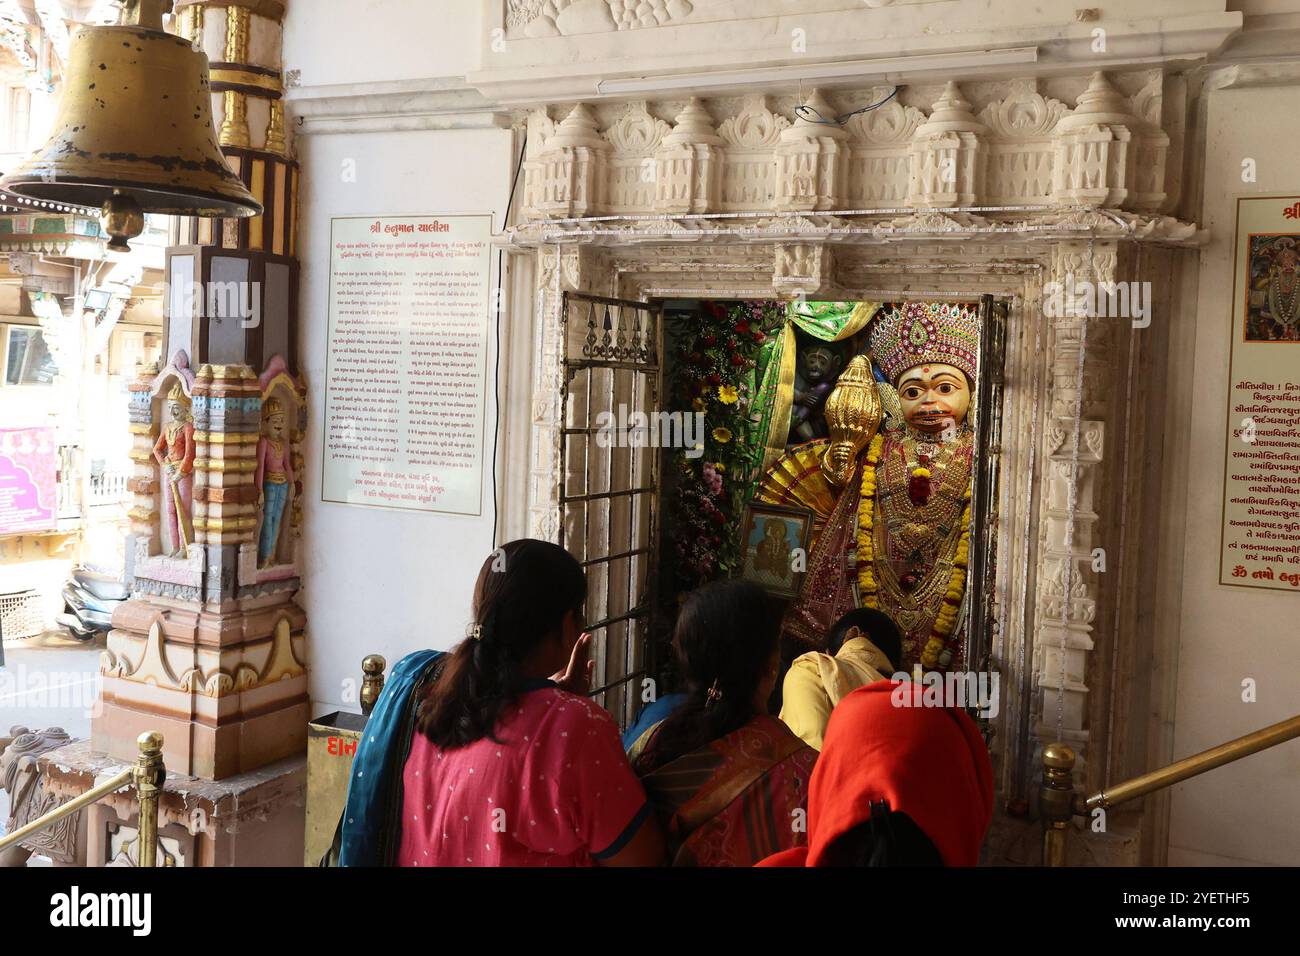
(210, 650)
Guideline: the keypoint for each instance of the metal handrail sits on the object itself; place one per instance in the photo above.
(1059, 802)
(147, 774)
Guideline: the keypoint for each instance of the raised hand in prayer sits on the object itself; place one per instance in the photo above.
(576, 678)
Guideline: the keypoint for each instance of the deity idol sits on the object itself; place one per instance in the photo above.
(892, 504)
(174, 452)
(818, 365)
(274, 476)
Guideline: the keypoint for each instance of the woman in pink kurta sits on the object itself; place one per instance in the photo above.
(556, 791)
(509, 767)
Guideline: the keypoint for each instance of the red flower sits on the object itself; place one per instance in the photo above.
(742, 327)
(759, 336)
(710, 340)
(713, 378)
(719, 517)
(737, 359)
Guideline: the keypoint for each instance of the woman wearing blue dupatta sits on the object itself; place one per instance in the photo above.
(371, 826)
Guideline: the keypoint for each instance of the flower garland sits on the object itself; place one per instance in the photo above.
(868, 588)
(712, 373)
(946, 619)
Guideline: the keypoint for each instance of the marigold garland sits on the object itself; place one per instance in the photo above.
(868, 589)
(946, 619)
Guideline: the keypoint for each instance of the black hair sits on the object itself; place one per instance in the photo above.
(724, 641)
(887, 838)
(523, 592)
(876, 626)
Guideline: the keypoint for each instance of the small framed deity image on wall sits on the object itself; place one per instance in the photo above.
(774, 548)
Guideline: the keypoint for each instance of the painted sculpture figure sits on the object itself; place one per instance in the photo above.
(274, 478)
(893, 500)
(818, 366)
(174, 452)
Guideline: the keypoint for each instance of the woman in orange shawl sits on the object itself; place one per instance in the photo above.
(728, 781)
(897, 783)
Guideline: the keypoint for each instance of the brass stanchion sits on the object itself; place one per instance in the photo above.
(149, 775)
(1056, 801)
(372, 681)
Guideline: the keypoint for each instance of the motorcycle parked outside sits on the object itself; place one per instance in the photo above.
(90, 597)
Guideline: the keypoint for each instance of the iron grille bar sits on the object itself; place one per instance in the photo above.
(595, 495)
(614, 683)
(602, 363)
(636, 612)
(616, 557)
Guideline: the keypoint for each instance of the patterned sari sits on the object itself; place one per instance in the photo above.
(736, 799)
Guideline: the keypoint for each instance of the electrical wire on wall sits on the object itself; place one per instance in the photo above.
(499, 305)
(810, 114)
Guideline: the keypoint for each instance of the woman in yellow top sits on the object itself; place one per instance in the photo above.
(862, 648)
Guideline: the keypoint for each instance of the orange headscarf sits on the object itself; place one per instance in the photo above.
(928, 762)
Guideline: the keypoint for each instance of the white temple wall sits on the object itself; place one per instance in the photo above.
(380, 581)
(1242, 813)
(355, 41)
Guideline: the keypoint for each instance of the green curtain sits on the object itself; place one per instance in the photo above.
(828, 321)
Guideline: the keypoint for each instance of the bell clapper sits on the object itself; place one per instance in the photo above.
(122, 218)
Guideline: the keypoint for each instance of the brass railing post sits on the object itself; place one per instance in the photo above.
(372, 681)
(1056, 801)
(149, 776)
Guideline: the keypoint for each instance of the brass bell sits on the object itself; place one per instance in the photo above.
(134, 131)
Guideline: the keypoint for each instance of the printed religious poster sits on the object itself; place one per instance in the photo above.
(406, 362)
(1261, 491)
(28, 480)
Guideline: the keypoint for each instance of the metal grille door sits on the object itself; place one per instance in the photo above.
(609, 483)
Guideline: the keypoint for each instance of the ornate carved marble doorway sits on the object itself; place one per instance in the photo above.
(1076, 439)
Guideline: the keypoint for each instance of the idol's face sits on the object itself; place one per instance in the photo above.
(934, 397)
(817, 364)
(275, 425)
(175, 411)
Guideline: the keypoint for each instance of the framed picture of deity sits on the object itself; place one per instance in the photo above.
(774, 548)
(1273, 288)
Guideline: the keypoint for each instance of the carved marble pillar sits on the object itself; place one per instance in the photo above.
(812, 160)
(1091, 167)
(559, 270)
(567, 179)
(688, 164)
(242, 40)
(1067, 585)
(947, 157)
(211, 648)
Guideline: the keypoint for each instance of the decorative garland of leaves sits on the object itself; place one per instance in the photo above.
(714, 373)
